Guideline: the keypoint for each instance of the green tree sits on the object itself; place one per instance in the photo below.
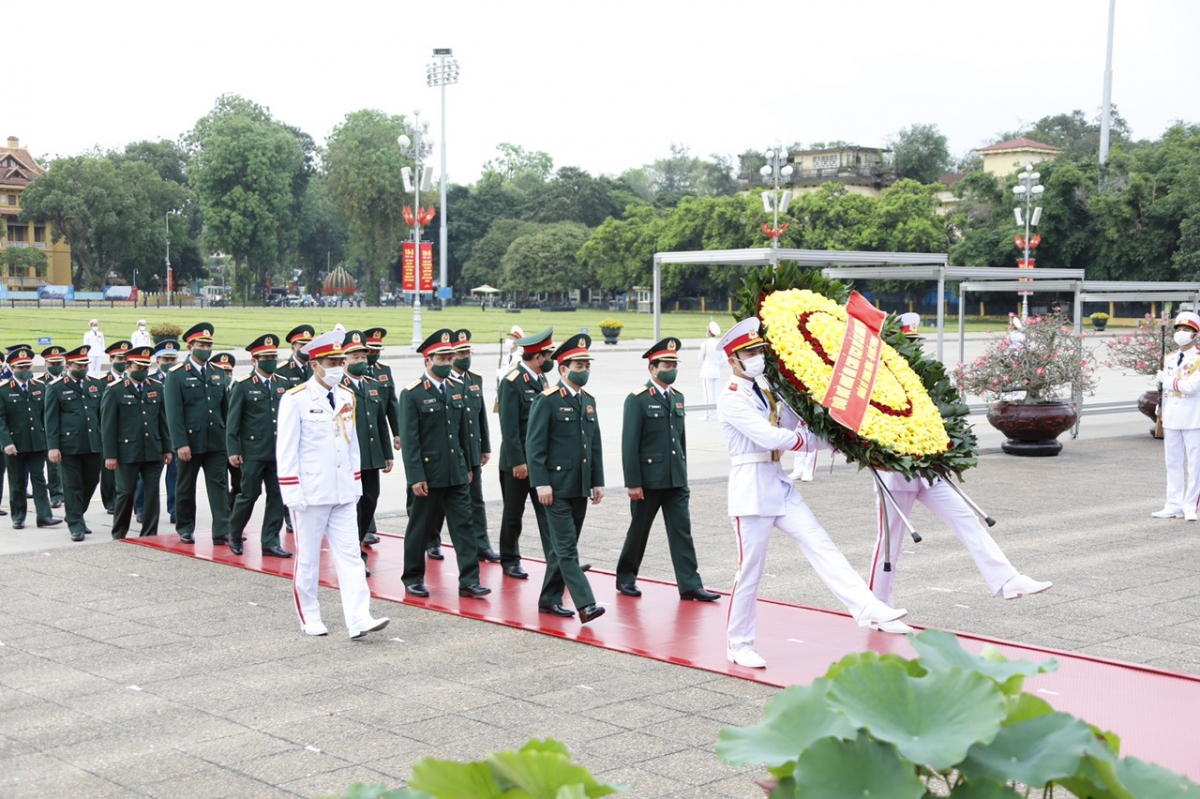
(470, 212)
(322, 234)
(572, 196)
(919, 152)
(486, 262)
(519, 167)
(546, 260)
(17, 261)
(619, 254)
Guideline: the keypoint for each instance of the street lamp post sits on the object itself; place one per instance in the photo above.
(1027, 191)
(776, 172)
(413, 145)
(442, 73)
(170, 286)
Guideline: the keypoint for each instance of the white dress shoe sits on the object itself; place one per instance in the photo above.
(895, 627)
(879, 612)
(1167, 513)
(373, 625)
(1190, 516)
(746, 656)
(1021, 585)
(315, 628)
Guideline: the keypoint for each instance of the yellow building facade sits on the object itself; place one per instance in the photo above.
(17, 170)
(1010, 157)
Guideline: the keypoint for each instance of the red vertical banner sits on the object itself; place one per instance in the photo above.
(853, 377)
(1023, 264)
(426, 266)
(408, 267)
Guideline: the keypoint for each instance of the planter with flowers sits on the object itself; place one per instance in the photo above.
(611, 328)
(165, 331)
(1141, 353)
(1099, 320)
(1027, 371)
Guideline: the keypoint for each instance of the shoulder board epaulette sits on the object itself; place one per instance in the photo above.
(641, 389)
(243, 377)
(178, 366)
(381, 365)
(587, 393)
(297, 389)
(513, 375)
(549, 391)
(413, 384)
(61, 377)
(473, 372)
(458, 382)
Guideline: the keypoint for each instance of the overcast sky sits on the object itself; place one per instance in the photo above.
(605, 86)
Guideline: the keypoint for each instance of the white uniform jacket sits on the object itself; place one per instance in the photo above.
(758, 485)
(316, 448)
(711, 358)
(1181, 391)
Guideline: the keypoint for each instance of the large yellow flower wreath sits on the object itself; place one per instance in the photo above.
(805, 330)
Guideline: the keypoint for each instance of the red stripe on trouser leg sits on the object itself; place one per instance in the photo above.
(737, 530)
(878, 540)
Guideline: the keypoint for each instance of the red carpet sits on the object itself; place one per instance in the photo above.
(1150, 709)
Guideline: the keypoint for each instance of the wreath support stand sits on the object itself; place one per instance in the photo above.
(978, 510)
(886, 496)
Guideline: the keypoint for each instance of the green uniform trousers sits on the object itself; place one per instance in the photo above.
(368, 502)
(108, 489)
(126, 478)
(678, 519)
(514, 493)
(564, 522)
(478, 517)
(35, 463)
(54, 483)
(457, 503)
(216, 470)
(80, 476)
(255, 476)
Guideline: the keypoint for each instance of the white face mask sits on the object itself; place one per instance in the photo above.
(1183, 338)
(754, 367)
(334, 375)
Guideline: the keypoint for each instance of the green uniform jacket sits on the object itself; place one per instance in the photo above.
(478, 440)
(23, 416)
(134, 423)
(383, 373)
(653, 439)
(253, 416)
(516, 392)
(563, 444)
(294, 371)
(433, 429)
(73, 416)
(370, 421)
(196, 408)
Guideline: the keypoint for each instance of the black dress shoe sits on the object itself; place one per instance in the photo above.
(18, 525)
(273, 552)
(139, 518)
(589, 612)
(369, 539)
(3, 513)
(172, 518)
(556, 610)
(236, 547)
(417, 589)
(516, 572)
(49, 521)
(186, 538)
(109, 511)
(700, 595)
(363, 554)
(490, 555)
(585, 567)
(474, 591)
(76, 536)
(87, 531)
(629, 589)
(56, 503)
(435, 553)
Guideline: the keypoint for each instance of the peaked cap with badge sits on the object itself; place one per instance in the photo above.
(201, 331)
(326, 345)
(266, 344)
(139, 356)
(743, 335)
(665, 350)
(167, 348)
(53, 353)
(118, 347)
(537, 342)
(20, 355)
(77, 355)
(574, 349)
(224, 360)
(354, 341)
(439, 341)
(301, 333)
(462, 340)
(375, 337)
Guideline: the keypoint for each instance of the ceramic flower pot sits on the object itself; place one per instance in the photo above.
(1032, 429)
(610, 334)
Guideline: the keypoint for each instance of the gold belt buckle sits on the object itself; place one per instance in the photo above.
(776, 455)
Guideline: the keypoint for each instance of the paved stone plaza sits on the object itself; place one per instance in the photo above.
(131, 672)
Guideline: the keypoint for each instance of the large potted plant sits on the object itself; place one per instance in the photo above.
(165, 331)
(1026, 372)
(1099, 320)
(611, 328)
(1141, 353)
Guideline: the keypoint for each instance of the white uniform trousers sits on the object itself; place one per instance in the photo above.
(96, 364)
(753, 534)
(948, 506)
(805, 465)
(1182, 451)
(710, 395)
(339, 525)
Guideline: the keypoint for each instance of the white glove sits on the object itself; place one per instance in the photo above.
(1161, 377)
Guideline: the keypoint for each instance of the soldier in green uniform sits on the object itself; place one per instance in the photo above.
(566, 468)
(135, 439)
(55, 366)
(73, 436)
(165, 355)
(479, 447)
(383, 374)
(296, 369)
(116, 372)
(23, 437)
(433, 436)
(370, 420)
(516, 392)
(654, 454)
(196, 408)
(250, 442)
(225, 361)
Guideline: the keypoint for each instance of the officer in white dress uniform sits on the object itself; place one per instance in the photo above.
(757, 429)
(139, 337)
(93, 339)
(946, 503)
(711, 360)
(1180, 378)
(511, 356)
(316, 451)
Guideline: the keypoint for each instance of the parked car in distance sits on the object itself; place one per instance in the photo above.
(307, 301)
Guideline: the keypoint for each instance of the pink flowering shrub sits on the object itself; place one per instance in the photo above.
(1038, 364)
(1142, 352)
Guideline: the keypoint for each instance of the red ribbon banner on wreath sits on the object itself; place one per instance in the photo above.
(853, 377)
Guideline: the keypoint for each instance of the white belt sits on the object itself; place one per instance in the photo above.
(755, 457)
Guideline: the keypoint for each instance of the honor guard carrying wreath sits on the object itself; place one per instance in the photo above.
(316, 452)
(370, 414)
(758, 428)
(433, 443)
(1180, 381)
(516, 392)
(654, 456)
(566, 469)
(73, 436)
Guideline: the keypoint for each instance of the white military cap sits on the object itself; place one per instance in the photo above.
(742, 335)
(516, 332)
(325, 345)
(714, 328)
(910, 324)
(1188, 319)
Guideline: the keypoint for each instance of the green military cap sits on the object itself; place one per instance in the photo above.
(140, 355)
(12, 347)
(201, 331)
(225, 360)
(355, 341)
(375, 337)
(440, 341)
(665, 350)
(20, 354)
(53, 353)
(77, 355)
(462, 339)
(301, 333)
(574, 349)
(263, 345)
(119, 347)
(537, 342)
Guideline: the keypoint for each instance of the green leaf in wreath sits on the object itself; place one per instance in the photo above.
(836, 769)
(792, 720)
(449, 779)
(1033, 752)
(933, 720)
(983, 789)
(1149, 779)
(941, 650)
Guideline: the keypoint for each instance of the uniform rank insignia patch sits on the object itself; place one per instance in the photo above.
(679, 405)
(456, 396)
(428, 401)
(564, 410)
(36, 393)
(315, 410)
(590, 409)
(93, 389)
(151, 394)
(373, 392)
